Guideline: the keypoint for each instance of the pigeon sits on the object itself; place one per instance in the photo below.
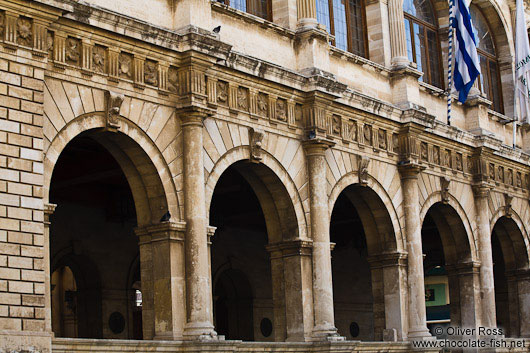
(217, 29)
(165, 217)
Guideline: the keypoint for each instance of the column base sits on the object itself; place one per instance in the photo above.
(201, 331)
(400, 62)
(419, 334)
(326, 333)
(166, 336)
(306, 23)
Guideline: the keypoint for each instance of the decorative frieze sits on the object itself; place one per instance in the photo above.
(73, 51)
(281, 110)
(263, 104)
(151, 73)
(114, 67)
(86, 57)
(125, 66)
(139, 72)
(222, 92)
(10, 30)
(99, 59)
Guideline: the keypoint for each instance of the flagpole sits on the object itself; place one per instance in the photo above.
(515, 115)
(450, 62)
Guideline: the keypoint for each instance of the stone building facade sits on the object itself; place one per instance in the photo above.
(168, 186)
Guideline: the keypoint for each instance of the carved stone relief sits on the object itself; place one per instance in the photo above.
(281, 109)
(491, 170)
(527, 181)
(351, 131)
(508, 204)
(509, 177)
(263, 104)
(172, 79)
(444, 182)
(99, 59)
(256, 140)
(500, 174)
(364, 161)
(50, 36)
(125, 63)
(336, 125)
(395, 143)
(25, 31)
(114, 102)
(222, 92)
(73, 51)
(424, 152)
(518, 180)
(436, 155)
(2, 23)
(381, 138)
(242, 98)
(298, 113)
(447, 158)
(367, 133)
(459, 162)
(151, 73)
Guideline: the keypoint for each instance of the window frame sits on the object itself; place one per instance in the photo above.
(248, 4)
(349, 37)
(433, 27)
(489, 59)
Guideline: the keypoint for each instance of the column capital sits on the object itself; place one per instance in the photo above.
(193, 115)
(317, 146)
(409, 170)
(289, 248)
(470, 267)
(388, 259)
(165, 231)
(481, 190)
(49, 209)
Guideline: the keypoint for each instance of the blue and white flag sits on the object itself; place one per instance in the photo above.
(522, 63)
(467, 63)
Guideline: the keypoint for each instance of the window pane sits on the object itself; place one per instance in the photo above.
(419, 42)
(421, 9)
(434, 59)
(357, 27)
(239, 4)
(496, 95)
(323, 13)
(339, 19)
(481, 31)
(259, 8)
(409, 39)
(484, 73)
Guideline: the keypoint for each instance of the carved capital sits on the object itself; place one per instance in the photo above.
(290, 248)
(49, 209)
(363, 161)
(166, 231)
(193, 115)
(409, 170)
(444, 182)
(481, 190)
(388, 260)
(256, 140)
(316, 146)
(114, 102)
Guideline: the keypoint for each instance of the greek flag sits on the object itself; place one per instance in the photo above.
(522, 63)
(467, 63)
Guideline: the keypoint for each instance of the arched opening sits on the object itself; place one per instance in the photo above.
(362, 232)
(104, 187)
(510, 264)
(451, 278)
(252, 211)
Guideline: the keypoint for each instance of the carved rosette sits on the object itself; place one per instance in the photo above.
(25, 31)
(99, 59)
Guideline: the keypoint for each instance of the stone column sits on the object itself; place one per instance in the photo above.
(324, 325)
(487, 287)
(464, 294)
(199, 307)
(49, 209)
(162, 273)
(417, 313)
(307, 13)
(523, 293)
(398, 40)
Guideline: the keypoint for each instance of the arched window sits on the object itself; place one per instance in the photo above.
(423, 47)
(489, 81)
(260, 8)
(346, 20)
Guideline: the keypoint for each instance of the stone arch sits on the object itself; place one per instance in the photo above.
(514, 228)
(453, 212)
(141, 161)
(258, 176)
(378, 201)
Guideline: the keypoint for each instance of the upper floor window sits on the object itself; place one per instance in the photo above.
(423, 47)
(345, 19)
(260, 8)
(489, 81)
